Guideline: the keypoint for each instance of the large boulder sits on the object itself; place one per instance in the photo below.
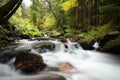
(29, 62)
(110, 36)
(110, 42)
(112, 46)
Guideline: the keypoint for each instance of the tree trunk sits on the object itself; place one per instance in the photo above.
(8, 10)
(62, 26)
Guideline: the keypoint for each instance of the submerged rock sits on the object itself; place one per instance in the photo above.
(39, 76)
(29, 62)
(65, 45)
(65, 67)
(51, 77)
(51, 69)
(43, 46)
(7, 53)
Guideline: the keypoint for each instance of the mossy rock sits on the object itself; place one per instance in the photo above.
(112, 46)
(108, 37)
(87, 44)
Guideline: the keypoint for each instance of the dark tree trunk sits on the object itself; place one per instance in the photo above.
(8, 10)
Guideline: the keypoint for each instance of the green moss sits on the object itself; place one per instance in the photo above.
(99, 32)
(105, 29)
(112, 44)
(88, 36)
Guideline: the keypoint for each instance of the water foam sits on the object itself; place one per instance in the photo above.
(89, 65)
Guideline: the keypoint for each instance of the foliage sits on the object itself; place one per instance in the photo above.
(2, 2)
(103, 30)
(98, 33)
(88, 36)
(110, 11)
(23, 25)
(86, 18)
(49, 22)
(4, 36)
(69, 4)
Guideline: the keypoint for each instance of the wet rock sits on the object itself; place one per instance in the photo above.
(112, 46)
(40, 76)
(71, 38)
(65, 45)
(62, 39)
(36, 38)
(110, 43)
(65, 67)
(110, 36)
(24, 36)
(52, 77)
(29, 62)
(6, 57)
(43, 38)
(51, 69)
(87, 45)
(74, 38)
(40, 39)
(43, 46)
(7, 53)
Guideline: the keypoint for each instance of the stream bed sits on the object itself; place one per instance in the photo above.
(88, 65)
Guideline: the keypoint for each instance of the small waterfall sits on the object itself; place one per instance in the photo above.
(96, 45)
(89, 65)
(45, 35)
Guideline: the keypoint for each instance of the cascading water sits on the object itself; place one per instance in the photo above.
(45, 35)
(89, 65)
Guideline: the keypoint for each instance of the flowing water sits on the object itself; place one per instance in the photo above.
(89, 65)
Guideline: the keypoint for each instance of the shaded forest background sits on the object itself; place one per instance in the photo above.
(91, 19)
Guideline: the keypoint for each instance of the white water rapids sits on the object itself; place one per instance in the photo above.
(89, 65)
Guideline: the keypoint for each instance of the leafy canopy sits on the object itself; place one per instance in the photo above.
(69, 4)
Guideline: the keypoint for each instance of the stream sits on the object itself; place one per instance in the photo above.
(89, 65)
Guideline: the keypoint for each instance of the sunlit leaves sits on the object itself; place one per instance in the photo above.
(23, 25)
(49, 21)
(69, 4)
